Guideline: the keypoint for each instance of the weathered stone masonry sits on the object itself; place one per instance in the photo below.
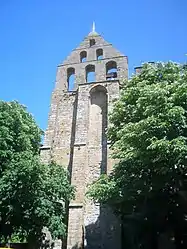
(76, 135)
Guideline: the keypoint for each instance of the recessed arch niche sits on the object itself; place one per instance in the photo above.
(98, 112)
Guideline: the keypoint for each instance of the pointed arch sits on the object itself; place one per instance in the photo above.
(98, 88)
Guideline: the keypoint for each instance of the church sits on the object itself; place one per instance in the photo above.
(87, 83)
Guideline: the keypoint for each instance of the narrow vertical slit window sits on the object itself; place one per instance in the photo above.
(99, 54)
(71, 78)
(90, 73)
(83, 56)
(92, 42)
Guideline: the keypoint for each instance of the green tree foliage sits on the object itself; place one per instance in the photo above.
(32, 195)
(148, 134)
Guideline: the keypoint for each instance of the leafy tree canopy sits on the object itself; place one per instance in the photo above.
(32, 195)
(148, 134)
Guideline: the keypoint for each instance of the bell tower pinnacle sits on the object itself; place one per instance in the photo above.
(87, 83)
(93, 27)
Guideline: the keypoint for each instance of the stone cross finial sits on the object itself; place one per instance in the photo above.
(93, 27)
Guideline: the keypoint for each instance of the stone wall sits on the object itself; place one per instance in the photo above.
(76, 139)
(90, 159)
(80, 71)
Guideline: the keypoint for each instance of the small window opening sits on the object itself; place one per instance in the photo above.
(83, 56)
(92, 42)
(71, 78)
(111, 70)
(90, 73)
(99, 54)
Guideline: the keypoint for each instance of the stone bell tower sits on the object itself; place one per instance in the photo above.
(87, 83)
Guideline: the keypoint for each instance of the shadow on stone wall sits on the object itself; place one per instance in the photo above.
(104, 109)
(73, 130)
(105, 233)
(76, 247)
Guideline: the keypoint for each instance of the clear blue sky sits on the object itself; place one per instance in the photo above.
(36, 35)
